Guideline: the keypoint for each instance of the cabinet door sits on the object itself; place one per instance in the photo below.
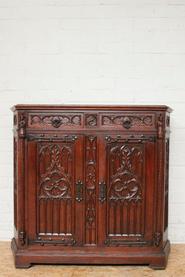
(55, 191)
(126, 191)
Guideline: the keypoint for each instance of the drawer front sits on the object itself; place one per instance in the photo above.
(128, 121)
(123, 121)
(56, 120)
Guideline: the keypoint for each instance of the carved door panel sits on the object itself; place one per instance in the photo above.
(126, 191)
(55, 189)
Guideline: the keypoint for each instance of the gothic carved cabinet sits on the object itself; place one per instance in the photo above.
(91, 185)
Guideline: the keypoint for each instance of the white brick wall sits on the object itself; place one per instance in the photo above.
(93, 51)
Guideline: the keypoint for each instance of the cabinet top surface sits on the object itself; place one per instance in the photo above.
(92, 107)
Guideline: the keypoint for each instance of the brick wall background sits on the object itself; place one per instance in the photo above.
(93, 51)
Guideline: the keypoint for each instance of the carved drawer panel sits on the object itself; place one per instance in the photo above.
(55, 120)
(128, 121)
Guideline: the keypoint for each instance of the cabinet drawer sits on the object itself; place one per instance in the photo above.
(128, 121)
(55, 120)
(75, 120)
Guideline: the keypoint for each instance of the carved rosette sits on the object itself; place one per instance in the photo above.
(90, 188)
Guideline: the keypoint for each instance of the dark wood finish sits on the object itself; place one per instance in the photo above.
(91, 185)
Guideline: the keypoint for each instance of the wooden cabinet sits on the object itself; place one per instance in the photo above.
(91, 185)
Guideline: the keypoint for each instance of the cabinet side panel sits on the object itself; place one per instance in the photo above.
(166, 184)
(159, 235)
(166, 169)
(15, 184)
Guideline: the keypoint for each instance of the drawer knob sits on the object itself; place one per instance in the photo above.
(56, 121)
(127, 122)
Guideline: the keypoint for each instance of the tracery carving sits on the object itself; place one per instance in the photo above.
(55, 176)
(91, 120)
(125, 184)
(128, 121)
(56, 120)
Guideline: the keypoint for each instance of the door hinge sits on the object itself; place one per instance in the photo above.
(79, 191)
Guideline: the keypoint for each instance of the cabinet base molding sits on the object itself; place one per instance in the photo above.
(156, 259)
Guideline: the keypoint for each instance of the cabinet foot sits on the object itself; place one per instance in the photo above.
(23, 265)
(160, 265)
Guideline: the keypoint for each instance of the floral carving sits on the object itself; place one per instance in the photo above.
(125, 183)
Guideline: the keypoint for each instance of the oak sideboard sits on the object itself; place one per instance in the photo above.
(91, 185)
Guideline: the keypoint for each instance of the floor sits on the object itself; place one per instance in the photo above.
(175, 268)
